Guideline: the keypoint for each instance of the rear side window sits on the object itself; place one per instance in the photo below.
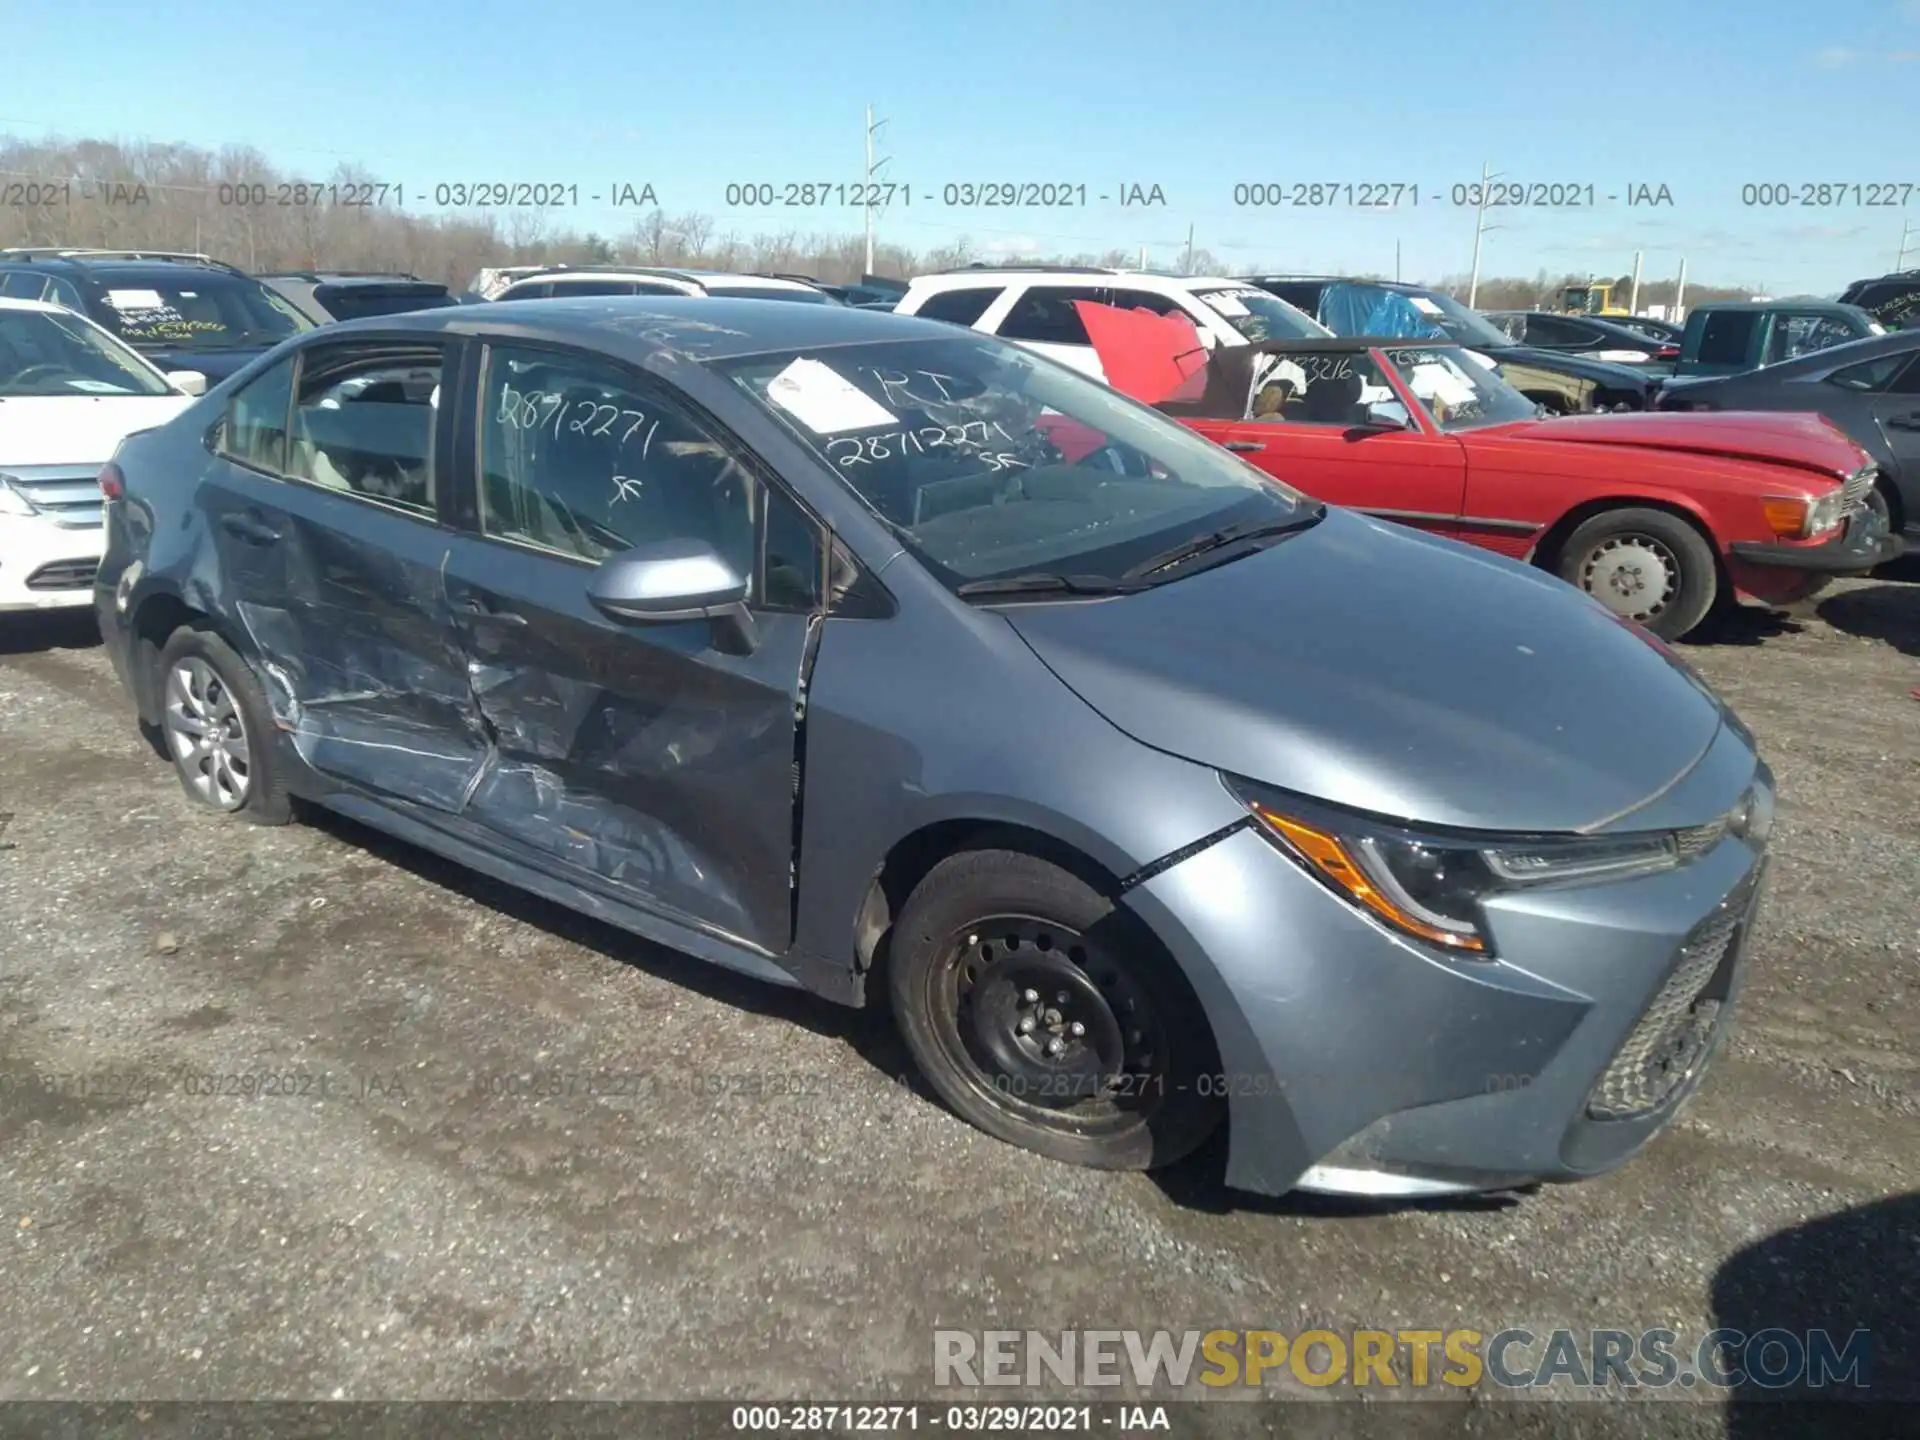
(363, 422)
(1547, 330)
(1723, 338)
(1045, 314)
(255, 429)
(1795, 335)
(532, 290)
(959, 307)
(564, 289)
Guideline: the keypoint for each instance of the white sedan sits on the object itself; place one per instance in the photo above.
(69, 393)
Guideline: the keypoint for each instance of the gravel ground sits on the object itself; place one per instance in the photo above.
(394, 1228)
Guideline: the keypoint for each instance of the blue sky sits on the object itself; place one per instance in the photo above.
(1701, 97)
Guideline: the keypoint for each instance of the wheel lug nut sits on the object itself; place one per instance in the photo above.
(1076, 1028)
(1061, 998)
(1032, 997)
(1026, 1026)
(1055, 1046)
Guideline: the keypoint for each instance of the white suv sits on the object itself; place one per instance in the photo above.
(1035, 307)
(563, 281)
(69, 393)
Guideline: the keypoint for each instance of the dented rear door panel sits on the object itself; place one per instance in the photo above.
(640, 755)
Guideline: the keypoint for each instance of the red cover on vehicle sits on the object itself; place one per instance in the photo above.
(1150, 357)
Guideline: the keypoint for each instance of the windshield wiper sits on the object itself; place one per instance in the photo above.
(1198, 545)
(1041, 582)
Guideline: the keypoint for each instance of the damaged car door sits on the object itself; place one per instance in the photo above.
(326, 517)
(653, 755)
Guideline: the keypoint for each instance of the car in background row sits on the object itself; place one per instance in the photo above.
(1665, 331)
(183, 311)
(69, 393)
(1725, 337)
(1658, 517)
(1893, 300)
(1152, 794)
(571, 281)
(869, 292)
(1597, 337)
(1869, 388)
(1035, 306)
(1365, 309)
(325, 296)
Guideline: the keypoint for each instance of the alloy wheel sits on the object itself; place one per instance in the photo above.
(207, 734)
(1635, 576)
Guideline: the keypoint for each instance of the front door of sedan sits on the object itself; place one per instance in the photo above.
(322, 510)
(1317, 419)
(1897, 409)
(657, 761)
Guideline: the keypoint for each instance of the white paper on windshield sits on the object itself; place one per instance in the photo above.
(1372, 394)
(1425, 306)
(136, 300)
(1437, 382)
(824, 400)
(1225, 302)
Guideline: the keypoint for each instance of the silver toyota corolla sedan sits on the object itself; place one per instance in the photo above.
(881, 658)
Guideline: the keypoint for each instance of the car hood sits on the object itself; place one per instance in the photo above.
(1603, 372)
(1385, 670)
(1808, 441)
(77, 429)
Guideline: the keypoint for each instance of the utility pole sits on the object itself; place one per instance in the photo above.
(1186, 267)
(1396, 262)
(873, 167)
(1900, 260)
(1680, 293)
(1480, 227)
(1143, 257)
(1633, 294)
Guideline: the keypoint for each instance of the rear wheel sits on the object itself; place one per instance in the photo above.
(1048, 1018)
(218, 729)
(1645, 565)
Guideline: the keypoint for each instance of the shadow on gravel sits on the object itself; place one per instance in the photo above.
(21, 634)
(1743, 625)
(1813, 1287)
(1879, 612)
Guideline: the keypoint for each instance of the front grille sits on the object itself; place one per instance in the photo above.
(71, 501)
(64, 575)
(1853, 495)
(1675, 1032)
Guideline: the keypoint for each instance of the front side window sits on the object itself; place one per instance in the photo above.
(1257, 315)
(47, 352)
(583, 458)
(255, 429)
(1309, 387)
(199, 310)
(364, 420)
(1870, 375)
(1459, 394)
(989, 461)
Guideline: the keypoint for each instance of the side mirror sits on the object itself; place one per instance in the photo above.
(1385, 418)
(676, 580)
(188, 382)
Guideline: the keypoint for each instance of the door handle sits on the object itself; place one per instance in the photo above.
(473, 608)
(250, 529)
(1245, 447)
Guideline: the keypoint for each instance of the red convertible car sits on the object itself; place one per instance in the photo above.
(1658, 516)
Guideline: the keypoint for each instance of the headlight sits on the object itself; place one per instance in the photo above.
(12, 502)
(1793, 517)
(1432, 887)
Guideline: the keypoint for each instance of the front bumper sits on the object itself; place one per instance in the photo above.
(46, 566)
(1356, 1062)
(1860, 546)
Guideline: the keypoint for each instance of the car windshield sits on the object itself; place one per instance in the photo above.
(1260, 316)
(200, 310)
(1459, 394)
(990, 461)
(45, 352)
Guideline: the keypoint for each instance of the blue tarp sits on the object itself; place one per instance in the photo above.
(1348, 309)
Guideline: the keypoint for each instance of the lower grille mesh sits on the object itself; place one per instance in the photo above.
(64, 575)
(1674, 1032)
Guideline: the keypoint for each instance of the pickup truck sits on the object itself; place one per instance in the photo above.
(1727, 338)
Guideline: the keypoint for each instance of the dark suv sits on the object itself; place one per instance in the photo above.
(324, 296)
(1893, 300)
(181, 311)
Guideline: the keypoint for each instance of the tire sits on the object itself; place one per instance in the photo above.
(1647, 565)
(988, 928)
(203, 683)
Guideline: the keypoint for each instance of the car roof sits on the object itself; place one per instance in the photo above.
(712, 279)
(1833, 305)
(637, 327)
(1066, 275)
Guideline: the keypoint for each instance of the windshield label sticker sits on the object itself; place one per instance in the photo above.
(1433, 381)
(824, 400)
(136, 300)
(1226, 302)
(1425, 306)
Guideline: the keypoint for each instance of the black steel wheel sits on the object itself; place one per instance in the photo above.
(1048, 1018)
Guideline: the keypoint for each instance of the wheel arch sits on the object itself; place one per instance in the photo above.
(1546, 550)
(152, 617)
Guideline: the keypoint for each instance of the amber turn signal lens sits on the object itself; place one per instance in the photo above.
(1329, 856)
(1786, 516)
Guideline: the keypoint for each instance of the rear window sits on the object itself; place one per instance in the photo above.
(198, 310)
(768, 292)
(959, 307)
(1724, 336)
(353, 302)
